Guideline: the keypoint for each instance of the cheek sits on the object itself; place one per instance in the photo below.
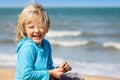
(43, 31)
(43, 34)
(28, 33)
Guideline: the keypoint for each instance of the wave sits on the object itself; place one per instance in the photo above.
(55, 33)
(8, 60)
(97, 68)
(91, 68)
(71, 43)
(7, 41)
(7, 24)
(111, 34)
(115, 45)
(64, 33)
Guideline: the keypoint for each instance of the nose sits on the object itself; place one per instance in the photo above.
(36, 30)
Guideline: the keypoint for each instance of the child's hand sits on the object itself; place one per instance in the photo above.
(57, 73)
(66, 67)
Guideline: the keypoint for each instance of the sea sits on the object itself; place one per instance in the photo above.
(87, 38)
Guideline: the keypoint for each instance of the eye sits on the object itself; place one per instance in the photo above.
(31, 27)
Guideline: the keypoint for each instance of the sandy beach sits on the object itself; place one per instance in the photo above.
(8, 74)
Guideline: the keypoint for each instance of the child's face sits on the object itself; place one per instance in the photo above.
(35, 31)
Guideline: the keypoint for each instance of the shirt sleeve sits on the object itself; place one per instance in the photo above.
(26, 59)
(49, 51)
(50, 62)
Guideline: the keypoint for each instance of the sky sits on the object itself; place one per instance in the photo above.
(63, 3)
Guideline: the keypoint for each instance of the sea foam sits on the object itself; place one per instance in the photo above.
(82, 67)
(55, 33)
(71, 43)
(8, 60)
(115, 45)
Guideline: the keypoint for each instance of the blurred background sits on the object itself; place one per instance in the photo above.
(86, 33)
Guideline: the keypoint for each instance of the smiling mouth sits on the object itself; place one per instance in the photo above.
(37, 36)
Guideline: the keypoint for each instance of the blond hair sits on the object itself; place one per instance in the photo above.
(31, 13)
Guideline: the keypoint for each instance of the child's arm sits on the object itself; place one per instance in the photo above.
(50, 62)
(26, 59)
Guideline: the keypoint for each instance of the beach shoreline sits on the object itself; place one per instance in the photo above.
(84, 39)
(9, 73)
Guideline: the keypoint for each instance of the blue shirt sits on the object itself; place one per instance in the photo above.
(33, 61)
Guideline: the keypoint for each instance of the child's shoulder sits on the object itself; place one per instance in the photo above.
(46, 42)
(26, 42)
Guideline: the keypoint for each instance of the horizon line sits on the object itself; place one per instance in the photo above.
(64, 6)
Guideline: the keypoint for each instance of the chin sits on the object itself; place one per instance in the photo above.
(38, 41)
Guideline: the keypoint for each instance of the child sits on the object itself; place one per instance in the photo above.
(34, 61)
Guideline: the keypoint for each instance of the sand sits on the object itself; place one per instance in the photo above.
(8, 74)
(91, 77)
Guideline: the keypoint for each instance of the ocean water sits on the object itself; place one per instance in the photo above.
(88, 38)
